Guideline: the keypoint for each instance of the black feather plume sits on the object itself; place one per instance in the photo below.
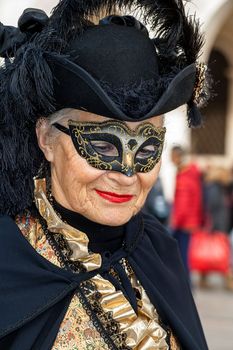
(177, 35)
(26, 89)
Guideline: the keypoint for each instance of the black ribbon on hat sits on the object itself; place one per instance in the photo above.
(128, 21)
(32, 21)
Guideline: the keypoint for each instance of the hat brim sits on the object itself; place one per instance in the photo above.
(75, 88)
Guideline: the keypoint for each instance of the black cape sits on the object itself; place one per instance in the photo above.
(35, 294)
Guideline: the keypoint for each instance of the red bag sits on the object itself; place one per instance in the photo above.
(209, 251)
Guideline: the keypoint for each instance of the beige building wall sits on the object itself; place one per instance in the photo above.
(10, 10)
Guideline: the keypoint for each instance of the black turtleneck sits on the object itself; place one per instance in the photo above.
(102, 238)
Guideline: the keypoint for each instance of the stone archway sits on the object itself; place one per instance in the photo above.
(214, 23)
(210, 140)
(219, 39)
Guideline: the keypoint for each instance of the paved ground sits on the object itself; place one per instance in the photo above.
(215, 306)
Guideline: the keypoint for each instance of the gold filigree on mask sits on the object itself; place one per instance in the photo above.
(128, 143)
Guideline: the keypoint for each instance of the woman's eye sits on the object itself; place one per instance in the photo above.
(105, 148)
(146, 152)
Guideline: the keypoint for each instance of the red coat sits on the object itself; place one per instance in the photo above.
(187, 208)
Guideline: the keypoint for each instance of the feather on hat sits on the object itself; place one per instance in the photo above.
(51, 55)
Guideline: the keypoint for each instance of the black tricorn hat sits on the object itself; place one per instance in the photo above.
(113, 69)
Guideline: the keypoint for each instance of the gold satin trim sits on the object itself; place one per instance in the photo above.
(146, 332)
(143, 331)
(77, 240)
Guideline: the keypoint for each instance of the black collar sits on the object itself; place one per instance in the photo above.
(101, 237)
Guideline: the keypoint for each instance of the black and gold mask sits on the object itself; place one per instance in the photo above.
(112, 145)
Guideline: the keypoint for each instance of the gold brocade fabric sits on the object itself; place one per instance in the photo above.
(140, 331)
(76, 327)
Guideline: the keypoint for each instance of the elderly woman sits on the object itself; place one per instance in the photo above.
(81, 138)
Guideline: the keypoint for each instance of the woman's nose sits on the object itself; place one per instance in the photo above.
(121, 179)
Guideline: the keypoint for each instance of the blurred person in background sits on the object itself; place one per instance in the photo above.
(230, 203)
(187, 210)
(216, 182)
(217, 194)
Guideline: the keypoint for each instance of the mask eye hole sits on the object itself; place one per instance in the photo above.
(146, 152)
(104, 148)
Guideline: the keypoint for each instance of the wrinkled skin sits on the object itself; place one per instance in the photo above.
(74, 181)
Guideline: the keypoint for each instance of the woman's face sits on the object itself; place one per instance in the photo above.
(107, 197)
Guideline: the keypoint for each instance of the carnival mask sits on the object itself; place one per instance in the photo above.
(112, 145)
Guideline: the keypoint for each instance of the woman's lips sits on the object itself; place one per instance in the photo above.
(114, 197)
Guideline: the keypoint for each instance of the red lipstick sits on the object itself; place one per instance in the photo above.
(114, 197)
